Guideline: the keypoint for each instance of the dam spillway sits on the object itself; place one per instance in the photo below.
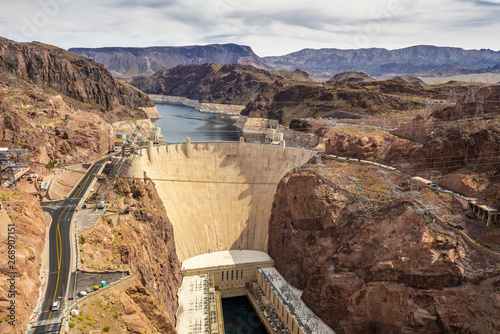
(218, 195)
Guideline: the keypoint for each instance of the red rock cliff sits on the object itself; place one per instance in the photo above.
(388, 272)
(69, 74)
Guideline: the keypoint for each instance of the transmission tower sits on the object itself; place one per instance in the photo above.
(423, 209)
(471, 92)
(118, 165)
(428, 107)
(12, 81)
(453, 94)
(12, 160)
(435, 174)
(360, 191)
(393, 190)
(479, 109)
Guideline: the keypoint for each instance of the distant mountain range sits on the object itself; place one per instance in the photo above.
(378, 62)
(147, 61)
(421, 60)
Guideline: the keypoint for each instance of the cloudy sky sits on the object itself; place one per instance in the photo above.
(270, 27)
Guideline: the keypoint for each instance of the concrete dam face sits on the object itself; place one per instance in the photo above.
(218, 195)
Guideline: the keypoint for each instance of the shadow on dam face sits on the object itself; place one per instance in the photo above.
(219, 195)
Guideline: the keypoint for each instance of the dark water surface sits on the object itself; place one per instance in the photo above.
(179, 122)
(240, 317)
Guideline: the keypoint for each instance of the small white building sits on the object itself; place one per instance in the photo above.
(155, 134)
(273, 137)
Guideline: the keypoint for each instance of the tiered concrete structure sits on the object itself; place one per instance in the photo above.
(199, 311)
(284, 306)
(218, 196)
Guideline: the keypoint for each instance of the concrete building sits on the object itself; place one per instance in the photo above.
(155, 135)
(124, 136)
(199, 308)
(273, 137)
(232, 270)
(284, 306)
(483, 212)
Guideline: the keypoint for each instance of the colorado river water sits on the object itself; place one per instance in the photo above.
(240, 317)
(179, 122)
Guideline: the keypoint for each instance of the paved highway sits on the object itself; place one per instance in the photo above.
(49, 321)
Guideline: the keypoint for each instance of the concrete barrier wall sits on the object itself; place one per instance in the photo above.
(220, 197)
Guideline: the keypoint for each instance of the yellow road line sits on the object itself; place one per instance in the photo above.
(59, 251)
(84, 183)
(59, 241)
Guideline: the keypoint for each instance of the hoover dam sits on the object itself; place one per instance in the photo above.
(218, 197)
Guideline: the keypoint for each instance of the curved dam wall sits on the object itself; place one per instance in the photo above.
(218, 195)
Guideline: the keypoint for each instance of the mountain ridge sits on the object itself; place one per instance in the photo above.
(129, 61)
(327, 62)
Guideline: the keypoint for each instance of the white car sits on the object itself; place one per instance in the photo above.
(55, 306)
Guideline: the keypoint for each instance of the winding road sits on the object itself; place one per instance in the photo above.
(60, 251)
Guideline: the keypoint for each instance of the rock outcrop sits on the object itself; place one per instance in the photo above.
(59, 105)
(286, 102)
(51, 130)
(210, 82)
(386, 272)
(149, 247)
(143, 242)
(27, 242)
(352, 77)
(77, 77)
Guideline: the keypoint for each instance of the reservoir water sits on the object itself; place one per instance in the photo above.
(240, 317)
(179, 122)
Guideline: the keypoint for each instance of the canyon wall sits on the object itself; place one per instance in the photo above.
(218, 196)
(387, 272)
(74, 76)
(29, 235)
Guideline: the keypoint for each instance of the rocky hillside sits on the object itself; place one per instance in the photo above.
(213, 83)
(74, 76)
(59, 105)
(54, 133)
(25, 213)
(390, 271)
(352, 77)
(452, 70)
(147, 61)
(144, 243)
(287, 102)
(409, 80)
(451, 140)
(376, 61)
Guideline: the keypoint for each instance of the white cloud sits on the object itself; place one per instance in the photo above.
(271, 27)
